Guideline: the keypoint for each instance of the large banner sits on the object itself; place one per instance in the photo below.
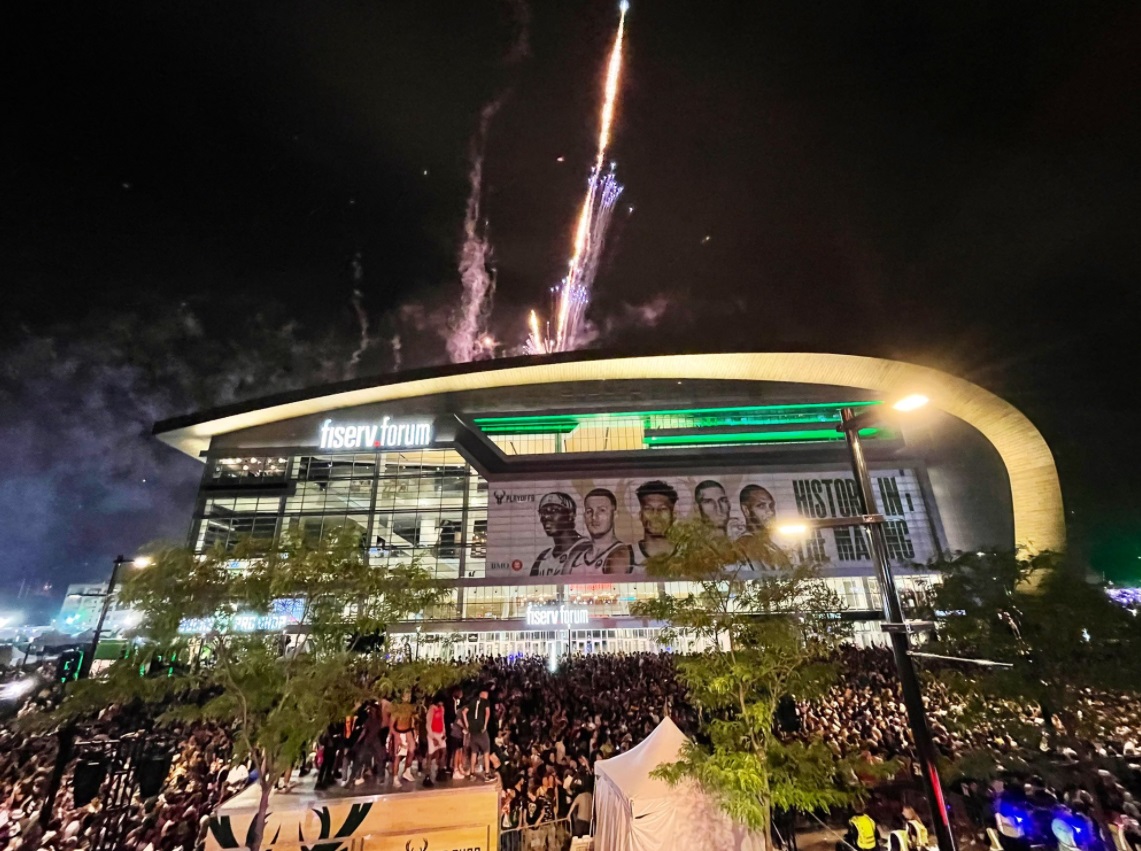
(565, 529)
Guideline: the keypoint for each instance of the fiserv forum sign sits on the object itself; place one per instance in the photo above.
(382, 434)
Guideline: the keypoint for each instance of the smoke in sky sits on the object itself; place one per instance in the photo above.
(84, 480)
(477, 277)
(468, 338)
(362, 316)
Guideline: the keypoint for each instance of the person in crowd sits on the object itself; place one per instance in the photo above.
(457, 732)
(534, 815)
(369, 751)
(582, 811)
(917, 838)
(403, 748)
(863, 833)
(477, 716)
(329, 751)
(437, 739)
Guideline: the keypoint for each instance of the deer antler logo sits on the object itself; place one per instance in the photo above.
(423, 846)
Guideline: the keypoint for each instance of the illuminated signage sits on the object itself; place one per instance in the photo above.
(378, 435)
(557, 615)
(237, 623)
(283, 613)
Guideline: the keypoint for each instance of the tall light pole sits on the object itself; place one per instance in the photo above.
(895, 626)
(66, 734)
(89, 658)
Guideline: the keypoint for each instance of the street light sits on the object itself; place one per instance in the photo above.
(895, 626)
(66, 733)
(911, 403)
(89, 659)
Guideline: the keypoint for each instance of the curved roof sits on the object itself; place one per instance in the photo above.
(1036, 494)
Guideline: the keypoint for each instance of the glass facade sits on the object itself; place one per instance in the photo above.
(431, 505)
(425, 504)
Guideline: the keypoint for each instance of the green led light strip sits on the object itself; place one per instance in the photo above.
(816, 434)
(534, 428)
(543, 418)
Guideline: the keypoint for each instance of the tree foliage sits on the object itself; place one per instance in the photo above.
(276, 690)
(1063, 637)
(770, 633)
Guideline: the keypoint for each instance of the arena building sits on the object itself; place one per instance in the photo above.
(538, 487)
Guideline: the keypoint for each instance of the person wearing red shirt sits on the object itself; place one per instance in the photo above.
(437, 739)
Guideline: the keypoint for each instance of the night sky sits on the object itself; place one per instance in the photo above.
(187, 189)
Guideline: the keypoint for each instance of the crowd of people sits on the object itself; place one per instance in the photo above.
(172, 818)
(863, 713)
(535, 731)
(539, 733)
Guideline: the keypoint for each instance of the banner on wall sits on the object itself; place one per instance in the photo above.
(569, 528)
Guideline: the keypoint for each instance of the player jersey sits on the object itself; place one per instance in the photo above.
(579, 559)
(549, 564)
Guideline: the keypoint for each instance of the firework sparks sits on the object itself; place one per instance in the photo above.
(574, 292)
(537, 343)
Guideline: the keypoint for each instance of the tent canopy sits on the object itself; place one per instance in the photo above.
(631, 771)
(638, 812)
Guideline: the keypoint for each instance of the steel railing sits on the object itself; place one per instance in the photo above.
(546, 836)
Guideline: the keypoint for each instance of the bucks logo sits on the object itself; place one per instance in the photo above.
(223, 831)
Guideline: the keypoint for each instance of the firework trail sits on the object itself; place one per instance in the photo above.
(467, 336)
(468, 328)
(362, 315)
(574, 292)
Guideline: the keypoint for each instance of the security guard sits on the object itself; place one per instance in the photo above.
(917, 839)
(863, 833)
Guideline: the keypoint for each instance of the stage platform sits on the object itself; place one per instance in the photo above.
(455, 815)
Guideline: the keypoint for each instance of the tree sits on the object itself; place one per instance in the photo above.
(769, 634)
(1065, 639)
(278, 688)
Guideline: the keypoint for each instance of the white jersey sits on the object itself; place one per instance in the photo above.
(549, 564)
(582, 561)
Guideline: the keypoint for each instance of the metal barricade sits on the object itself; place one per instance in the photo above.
(121, 761)
(547, 836)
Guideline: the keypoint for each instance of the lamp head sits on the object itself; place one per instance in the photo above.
(911, 403)
(792, 530)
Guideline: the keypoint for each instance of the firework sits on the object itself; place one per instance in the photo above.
(465, 338)
(537, 343)
(574, 292)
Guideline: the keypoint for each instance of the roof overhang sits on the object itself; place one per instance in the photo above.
(1036, 494)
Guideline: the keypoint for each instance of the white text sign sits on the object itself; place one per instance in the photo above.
(385, 434)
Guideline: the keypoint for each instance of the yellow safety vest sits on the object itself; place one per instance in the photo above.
(917, 833)
(865, 831)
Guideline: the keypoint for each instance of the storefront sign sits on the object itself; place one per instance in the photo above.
(377, 435)
(238, 623)
(557, 615)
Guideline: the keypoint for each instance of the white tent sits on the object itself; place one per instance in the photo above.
(637, 812)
